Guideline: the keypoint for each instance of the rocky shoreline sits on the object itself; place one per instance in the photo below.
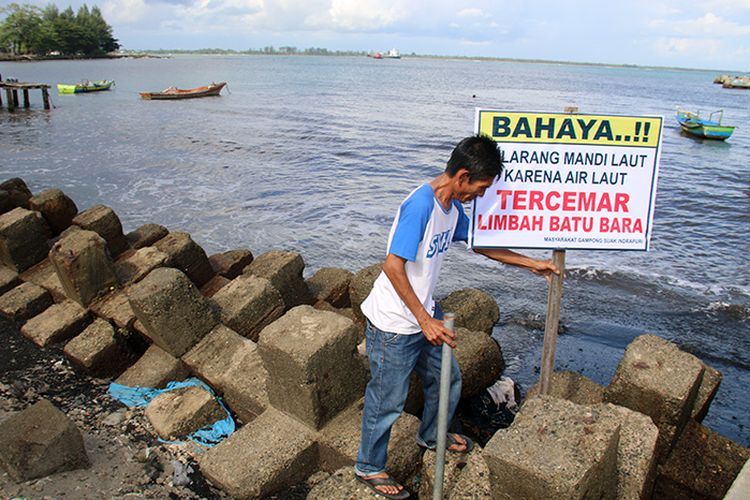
(83, 304)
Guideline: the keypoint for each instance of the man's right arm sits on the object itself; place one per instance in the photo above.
(432, 329)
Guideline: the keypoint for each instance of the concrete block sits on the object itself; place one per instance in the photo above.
(115, 307)
(339, 442)
(360, 287)
(45, 275)
(23, 239)
(176, 316)
(342, 485)
(466, 476)
(741, 485)
(84, 266)
(265, 456)
(24, 302)
(56, 208)
(97, 350)
(187, 256)
(9, 279)
(146, 235)
(555, 449)
(475, 310)
(154, 369)
(284, 271)
(706, 392)
(480, 360)
(175, 414)
(135, 265)
(636, 452)
(248, 304)
(313, 372)
(57, 323)
(18, 192)
(103, 221)
(702, 464)
(232, 365)
(657, 379)
(331, 284)
(40, 441)
(230, 264)
(573, 387)
(213, 285)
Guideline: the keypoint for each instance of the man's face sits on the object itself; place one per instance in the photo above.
(469, 190)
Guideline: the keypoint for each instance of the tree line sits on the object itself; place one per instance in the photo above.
(30, 30)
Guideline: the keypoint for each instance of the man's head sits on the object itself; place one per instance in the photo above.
(473, 167)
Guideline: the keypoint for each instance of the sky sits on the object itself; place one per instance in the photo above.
(706, 34)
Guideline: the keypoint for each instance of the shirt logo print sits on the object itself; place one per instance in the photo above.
(439, 244)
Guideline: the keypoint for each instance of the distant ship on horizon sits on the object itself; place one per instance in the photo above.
(391, 54)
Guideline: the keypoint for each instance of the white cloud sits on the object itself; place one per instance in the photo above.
(709, 24)
(470, 12)
(684, 46)
(124, 11)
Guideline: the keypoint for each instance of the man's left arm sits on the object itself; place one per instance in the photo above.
(541, 267)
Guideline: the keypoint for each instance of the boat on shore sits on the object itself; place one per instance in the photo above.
(213, 89)
(84, 86)
(692, 124)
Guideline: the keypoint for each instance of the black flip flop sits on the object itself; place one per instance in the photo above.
(374, 482)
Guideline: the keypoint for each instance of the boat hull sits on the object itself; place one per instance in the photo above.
(63, 88)
(695, 126)
(208, 91)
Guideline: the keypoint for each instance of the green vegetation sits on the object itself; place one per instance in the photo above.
(29, 30)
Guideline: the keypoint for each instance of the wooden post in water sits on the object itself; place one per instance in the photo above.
(26, 103)
(45, 97)
(15, 98)
(9, 96)
(552, 321)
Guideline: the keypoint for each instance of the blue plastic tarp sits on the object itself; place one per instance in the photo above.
(141, 396)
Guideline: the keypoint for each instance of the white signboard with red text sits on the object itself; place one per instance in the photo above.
(569, 181)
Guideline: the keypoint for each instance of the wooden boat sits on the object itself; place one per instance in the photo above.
(175, 93)
(696, 126)
(84, 86)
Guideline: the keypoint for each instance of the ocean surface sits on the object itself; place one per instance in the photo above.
(315, 154)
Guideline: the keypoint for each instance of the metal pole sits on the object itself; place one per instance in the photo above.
(442, 430)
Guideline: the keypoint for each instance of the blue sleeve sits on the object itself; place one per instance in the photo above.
(462, 224)
(413, 216)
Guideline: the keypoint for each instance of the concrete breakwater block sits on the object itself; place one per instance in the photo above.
(475, 310)
(213, 285)
(343, 484)
(175, 414)
(116, 308)
(135, 265)
(248, 304)
(57, 323)
(479, 359)
(573, 387)
(104, 221)
(230, 264)
(331, 284)
(706, 392)
(657, 379)
(284, 271)
(313, 372)
(146, 235)
(232, 365)
(360, 287)
(154, 369)
(24, 302)
(9, 279)
(40, 441)
(338, 442)
(466, 476)
(17, 193)
(555, 449)
(187, 256)
(23, 239)
(174, 313)
(83, 265)
(45, 275)
(56, 208)
(97, 349)
(269, 454)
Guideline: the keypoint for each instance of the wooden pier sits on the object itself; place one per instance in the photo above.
(11, 94)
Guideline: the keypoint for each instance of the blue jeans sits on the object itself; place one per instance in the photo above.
(392, 359)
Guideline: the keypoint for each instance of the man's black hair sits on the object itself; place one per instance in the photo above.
(479, 155)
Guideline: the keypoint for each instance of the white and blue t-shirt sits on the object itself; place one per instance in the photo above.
(421, 233)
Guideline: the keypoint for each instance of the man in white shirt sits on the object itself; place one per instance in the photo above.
(404, 328)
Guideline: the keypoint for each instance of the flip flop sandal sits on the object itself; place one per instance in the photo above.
(451, 440)
(374, 482)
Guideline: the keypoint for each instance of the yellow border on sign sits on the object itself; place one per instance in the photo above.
(564, 128)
